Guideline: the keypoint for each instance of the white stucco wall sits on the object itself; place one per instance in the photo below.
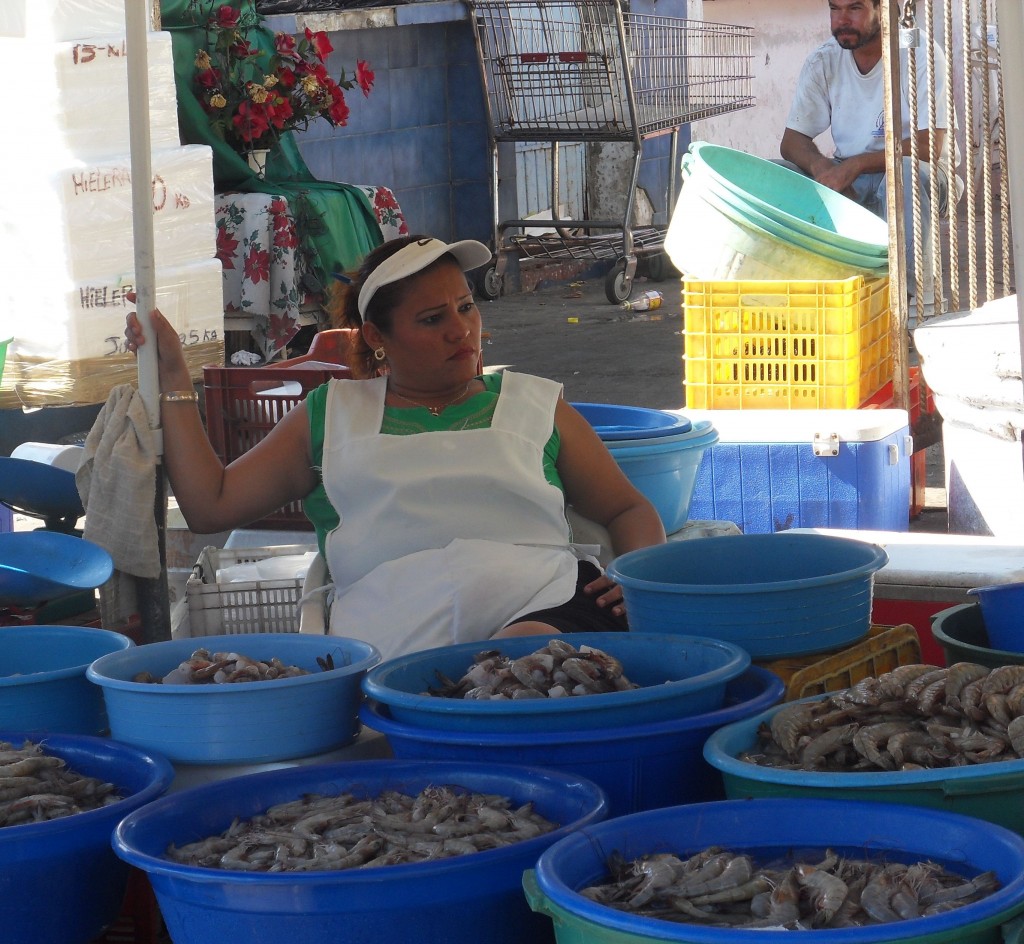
(785, 31)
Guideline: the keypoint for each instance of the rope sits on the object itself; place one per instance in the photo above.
(986, 175)
(954, 230)
(1004, 183)
(972, 239)
(933, 162)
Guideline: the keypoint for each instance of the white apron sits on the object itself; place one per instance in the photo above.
(476, 535)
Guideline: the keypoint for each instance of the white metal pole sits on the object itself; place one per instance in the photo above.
(151, 594)
(136, 15)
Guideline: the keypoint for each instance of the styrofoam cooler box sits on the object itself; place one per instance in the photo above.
(86, 320)
(82, 214)
(78, 106)
(928, 573)
(773, 470)
(60, 19)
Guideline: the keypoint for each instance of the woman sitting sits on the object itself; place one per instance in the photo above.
(438, 494)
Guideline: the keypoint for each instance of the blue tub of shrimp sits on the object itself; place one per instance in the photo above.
(640, 766)
(779, 829)
(463, 898)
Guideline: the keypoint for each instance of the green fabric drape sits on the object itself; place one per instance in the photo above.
(335, 220)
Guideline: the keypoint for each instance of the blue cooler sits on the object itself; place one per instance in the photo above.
(772, 470)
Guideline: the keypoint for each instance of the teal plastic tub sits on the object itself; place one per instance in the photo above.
(990, 792)
(771, 829)
(776, 595)
(806, 212)
(960, 631)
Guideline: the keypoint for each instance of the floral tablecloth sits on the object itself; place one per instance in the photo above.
(257, 245)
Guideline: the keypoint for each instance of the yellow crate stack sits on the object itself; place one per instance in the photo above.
(785, 344)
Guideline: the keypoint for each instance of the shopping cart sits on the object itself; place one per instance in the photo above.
(566, 71)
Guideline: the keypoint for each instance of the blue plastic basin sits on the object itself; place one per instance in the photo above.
(640, 766)
(618, 423)
(239, 722)
(59, 880)
(771, 830)
(678, 678)
(36, 566)
(1002, 610)
(476, 897)
(42, 677)
(664, 470)
(776, 595)
(988, 792)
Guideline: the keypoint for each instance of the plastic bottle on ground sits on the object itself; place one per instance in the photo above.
(644, 302)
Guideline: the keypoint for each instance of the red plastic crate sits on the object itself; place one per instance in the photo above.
(244, 403)
(918, 461)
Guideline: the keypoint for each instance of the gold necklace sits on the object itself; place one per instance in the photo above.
(434, 410)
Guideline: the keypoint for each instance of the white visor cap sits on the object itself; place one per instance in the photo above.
(415, 258)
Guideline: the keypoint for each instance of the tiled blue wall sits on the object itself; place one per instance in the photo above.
(422, 131)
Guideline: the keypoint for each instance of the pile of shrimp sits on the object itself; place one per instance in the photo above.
(718, 888)
(912, 718)
(204, 667)
(317, 833)
(35, 787)
(557, 670)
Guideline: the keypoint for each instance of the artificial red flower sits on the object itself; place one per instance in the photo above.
(339, 110)
(364, 76)
(279, 110)
(285, 46)
(226, 17)
(254, 95)
(250, 121)
(319, 42)
(208, 78)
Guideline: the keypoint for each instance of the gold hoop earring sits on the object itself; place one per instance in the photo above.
(379, 354)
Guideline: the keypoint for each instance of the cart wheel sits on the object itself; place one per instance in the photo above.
(488, 283)
(616, 285)
(659, 267)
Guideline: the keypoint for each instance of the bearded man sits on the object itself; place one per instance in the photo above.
(840, 89)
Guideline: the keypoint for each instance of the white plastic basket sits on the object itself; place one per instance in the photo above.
(250, 606)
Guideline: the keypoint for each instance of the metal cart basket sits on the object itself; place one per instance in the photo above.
(586, 71)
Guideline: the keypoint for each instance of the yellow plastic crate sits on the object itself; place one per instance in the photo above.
(785, 344)
(882, 650)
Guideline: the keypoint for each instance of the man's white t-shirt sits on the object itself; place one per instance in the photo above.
(832, 94)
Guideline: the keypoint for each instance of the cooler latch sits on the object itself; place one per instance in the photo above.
(825, 444)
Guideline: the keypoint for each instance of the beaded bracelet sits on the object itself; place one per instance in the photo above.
(179, 396)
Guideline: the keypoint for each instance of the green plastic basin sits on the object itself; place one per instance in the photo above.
(960, 630)
(991, 792)
(795, 201)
